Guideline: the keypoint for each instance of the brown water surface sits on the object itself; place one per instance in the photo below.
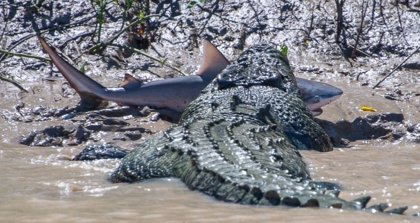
(41, 185)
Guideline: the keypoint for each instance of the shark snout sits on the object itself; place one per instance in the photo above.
(323, 97)
(333, 91)
(317, 94)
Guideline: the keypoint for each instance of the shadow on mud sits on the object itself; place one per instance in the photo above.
(380, 126)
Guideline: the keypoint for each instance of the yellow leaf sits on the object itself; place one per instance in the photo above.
(367, 109)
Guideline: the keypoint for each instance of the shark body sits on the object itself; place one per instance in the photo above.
(172, 95)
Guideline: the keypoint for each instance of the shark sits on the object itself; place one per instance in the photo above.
(172, 95)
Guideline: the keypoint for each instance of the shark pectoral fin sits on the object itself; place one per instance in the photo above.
(213, 61)
(130, 81)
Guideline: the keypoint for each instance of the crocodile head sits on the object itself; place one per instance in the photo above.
(248, 70)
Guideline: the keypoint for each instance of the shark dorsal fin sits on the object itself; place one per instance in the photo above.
(213, 61)
(130, 81)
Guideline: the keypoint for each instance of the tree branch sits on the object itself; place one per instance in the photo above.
(13, 82)
(24, 55)
(409, 56)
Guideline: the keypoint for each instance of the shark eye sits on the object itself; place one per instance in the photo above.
(316, 99)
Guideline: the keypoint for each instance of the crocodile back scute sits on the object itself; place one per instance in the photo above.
(260, 65)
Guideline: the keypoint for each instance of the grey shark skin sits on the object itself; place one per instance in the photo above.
(317, 94)
(173, 94)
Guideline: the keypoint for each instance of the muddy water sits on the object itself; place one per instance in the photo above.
(41, 185)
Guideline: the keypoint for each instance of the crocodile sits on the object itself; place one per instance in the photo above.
(239, 141)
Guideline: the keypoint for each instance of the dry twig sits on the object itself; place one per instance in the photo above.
(23, 55)
(360, 29)
(409, 56)
(13, 82)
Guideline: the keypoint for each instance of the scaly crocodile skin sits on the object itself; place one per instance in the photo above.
(238, 141)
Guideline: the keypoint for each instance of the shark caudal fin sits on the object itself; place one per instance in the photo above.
(213, 62)
(88, 89)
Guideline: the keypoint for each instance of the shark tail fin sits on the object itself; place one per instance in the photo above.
(89, 90)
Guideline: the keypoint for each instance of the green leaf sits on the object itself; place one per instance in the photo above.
(284, 51)
(83, 68)
(142, 15)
